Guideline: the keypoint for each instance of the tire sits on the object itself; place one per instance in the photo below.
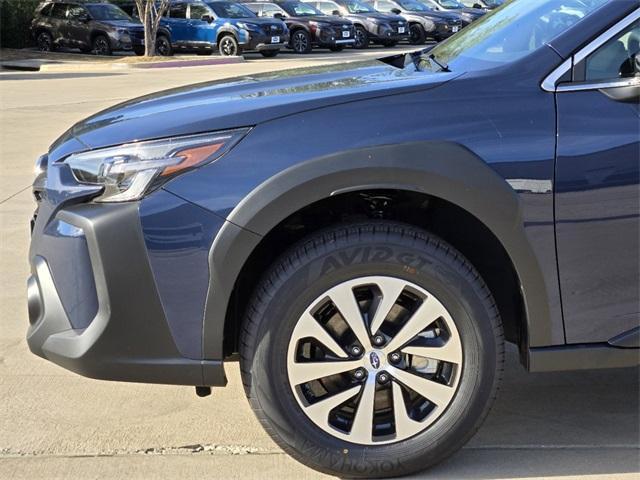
(336, 48)
(228, 46)
(139, 51)
(101, 45)
(296, 295)
(362, 38)
(300, 41)
(44, 41)
(417, 35)
(163, 46)
(269, 53)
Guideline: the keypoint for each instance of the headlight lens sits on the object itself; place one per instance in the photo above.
(248, 26)
(128, 171)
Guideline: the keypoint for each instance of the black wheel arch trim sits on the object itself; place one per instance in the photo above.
(452, 173)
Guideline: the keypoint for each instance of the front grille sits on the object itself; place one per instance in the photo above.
(342, 28)
(273, 29)
(139, 34)
(395, 25)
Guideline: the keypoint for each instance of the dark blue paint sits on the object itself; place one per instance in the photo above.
(598, 228)
(178, 236)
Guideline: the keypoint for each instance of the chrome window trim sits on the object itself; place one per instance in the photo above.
(549, 83)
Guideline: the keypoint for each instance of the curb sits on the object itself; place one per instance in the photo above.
(76, 67)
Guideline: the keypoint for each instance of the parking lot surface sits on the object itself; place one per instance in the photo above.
(55, 424)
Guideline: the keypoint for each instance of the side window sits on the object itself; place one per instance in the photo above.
(59, 10)
(384, 6)
(46, 10)
(178, 11)
(618, 58)
(75, 12)
(269, 10)
(196, 11)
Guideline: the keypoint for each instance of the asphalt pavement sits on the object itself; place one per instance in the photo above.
(55, 424)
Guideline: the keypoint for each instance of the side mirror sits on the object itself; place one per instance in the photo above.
(336, 13)
(278, 15)
(207, 18)
(477, 5)
(397, 11)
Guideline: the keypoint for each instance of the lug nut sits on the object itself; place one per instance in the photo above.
(356, 351)
(378, 340)
(395, 357)
(383, 377)
(359, 374)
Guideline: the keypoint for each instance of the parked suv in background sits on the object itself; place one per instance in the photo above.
(231, 28)
(483, 4)
(467, 15)
(308, 27)
(98, 27)
(366, 273)
(424, 22)
(370, 26)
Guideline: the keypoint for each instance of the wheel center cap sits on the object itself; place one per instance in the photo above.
(376, 360)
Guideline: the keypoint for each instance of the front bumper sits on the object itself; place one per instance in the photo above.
(334, 36)
(389, 33)
(443, 31)
(121, 332)
(261, 41)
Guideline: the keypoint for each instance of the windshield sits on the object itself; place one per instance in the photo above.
(231, 10)
(298, 9)
(509, 33)
(450, 3)
(414, 6)
(354, 6)
(107, 11)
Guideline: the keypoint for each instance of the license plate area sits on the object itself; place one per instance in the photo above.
(275, 39)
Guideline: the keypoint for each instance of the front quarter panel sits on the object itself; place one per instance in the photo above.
(461, 142)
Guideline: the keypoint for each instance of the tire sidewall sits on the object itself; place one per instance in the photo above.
(358, 257)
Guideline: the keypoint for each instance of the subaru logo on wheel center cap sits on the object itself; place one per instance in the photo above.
(375, 360)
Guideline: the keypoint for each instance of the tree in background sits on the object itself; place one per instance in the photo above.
(150, 13)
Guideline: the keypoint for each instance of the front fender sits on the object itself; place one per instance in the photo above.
(453, 173)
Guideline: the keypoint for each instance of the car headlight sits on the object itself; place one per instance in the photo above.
(128, 171)
(248, 26)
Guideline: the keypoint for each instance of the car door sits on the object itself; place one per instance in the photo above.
(77, 29)
(201, 30)
(177, 24)
(59, 23)
(597, 203)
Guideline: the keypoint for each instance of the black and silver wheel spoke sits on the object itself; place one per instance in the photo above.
(374, 360)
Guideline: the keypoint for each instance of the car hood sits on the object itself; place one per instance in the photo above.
(260, 21)
(122, 24)
(439, 15)
(383, 17)
(333, 20)
(243, 101)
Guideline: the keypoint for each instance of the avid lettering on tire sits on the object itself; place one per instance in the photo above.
(371, 350)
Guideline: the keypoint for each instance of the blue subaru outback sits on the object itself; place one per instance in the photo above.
(230, 27)
(364, 237)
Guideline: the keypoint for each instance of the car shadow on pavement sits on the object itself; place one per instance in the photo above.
(554, 425)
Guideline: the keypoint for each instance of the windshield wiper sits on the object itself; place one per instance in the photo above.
(443, 67)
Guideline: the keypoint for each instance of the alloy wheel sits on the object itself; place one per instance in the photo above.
(374, 360)
(360, 39)
(228, 47)
(300, 42)
(163, 47)
(101, 46)
(44, 42)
